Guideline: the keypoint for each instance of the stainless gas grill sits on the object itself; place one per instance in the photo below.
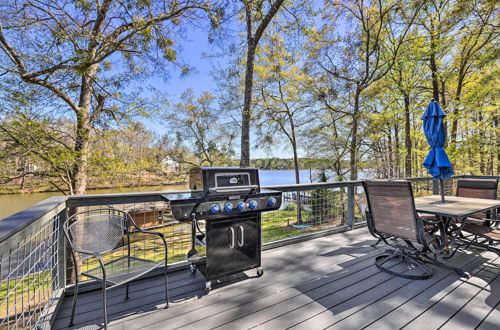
(230, 202)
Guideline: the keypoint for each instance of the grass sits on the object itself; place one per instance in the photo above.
(40, 289)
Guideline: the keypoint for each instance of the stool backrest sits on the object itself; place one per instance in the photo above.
(477, 188)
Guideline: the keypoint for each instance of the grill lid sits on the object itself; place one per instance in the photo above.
(224, 180)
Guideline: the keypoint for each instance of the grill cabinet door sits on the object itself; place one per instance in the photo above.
(221, 247)
(227, 251)
(248, 242)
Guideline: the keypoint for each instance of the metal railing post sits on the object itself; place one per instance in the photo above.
(61, 250)
(350, 206)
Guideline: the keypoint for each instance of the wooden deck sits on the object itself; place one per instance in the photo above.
(329, 282)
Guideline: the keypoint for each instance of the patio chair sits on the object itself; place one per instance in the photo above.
(391, 217)
(93, 233)
(481, 229)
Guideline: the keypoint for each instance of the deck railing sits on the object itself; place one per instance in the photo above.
(35, 272)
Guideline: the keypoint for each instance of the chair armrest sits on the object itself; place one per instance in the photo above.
(161, 235)
(139, 229)
(91, 253)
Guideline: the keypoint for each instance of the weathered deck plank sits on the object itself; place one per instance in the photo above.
(151, 297)
(452, 303)
(474, 311)
(492, 320)
(426, 298)
(326, 282)
(376, 309)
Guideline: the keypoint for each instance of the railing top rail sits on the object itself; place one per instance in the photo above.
(17, 222)
(128, 194)
(119, 198)
(312, 186)
(480, 176)
(326, 185)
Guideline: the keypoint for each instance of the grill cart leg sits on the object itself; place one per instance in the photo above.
(193, 253)
(260, 271)
(193, 268)
(208, 286)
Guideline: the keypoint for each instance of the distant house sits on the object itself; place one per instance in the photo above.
(170, 165)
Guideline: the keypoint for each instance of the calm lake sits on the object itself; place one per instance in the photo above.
(10, 204)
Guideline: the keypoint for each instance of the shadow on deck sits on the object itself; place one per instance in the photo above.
(329, 282)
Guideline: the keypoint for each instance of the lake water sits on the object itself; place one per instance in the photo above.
(10, 204)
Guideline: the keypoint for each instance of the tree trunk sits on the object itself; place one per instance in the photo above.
(442, 93)
(245, 118)
(396, 151)
(23, 178)
(454, 121)
(390, 168)
(433, 65)
(81, 149)
(408, 171)
(496, 146)
(354, 140)
(252, 42)
(296, 168)
(83, 125)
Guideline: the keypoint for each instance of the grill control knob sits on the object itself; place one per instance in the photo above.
(215, 208)
(252, 204)
(228, 207)
(272, 201)
(241, 206)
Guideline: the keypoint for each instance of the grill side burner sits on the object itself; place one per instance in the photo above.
(230, 202)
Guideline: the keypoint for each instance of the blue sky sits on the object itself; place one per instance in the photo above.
(192, 49)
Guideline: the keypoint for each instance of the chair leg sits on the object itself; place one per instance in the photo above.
(166, 287)
(126, 292)
(105, 312)
(375, 244)
(75, 295)
(425, 272)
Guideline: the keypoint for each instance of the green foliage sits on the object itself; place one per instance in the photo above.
(336, 89)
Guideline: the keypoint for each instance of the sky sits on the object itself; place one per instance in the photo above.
(199, 80)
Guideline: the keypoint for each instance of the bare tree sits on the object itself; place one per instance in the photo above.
(368, 51)
(84, 53)
(253, 15)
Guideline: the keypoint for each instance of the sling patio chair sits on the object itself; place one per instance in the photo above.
(391, 217)
(96, 232)
(482, 229)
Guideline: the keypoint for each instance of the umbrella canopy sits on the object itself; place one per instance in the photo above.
(436, 162)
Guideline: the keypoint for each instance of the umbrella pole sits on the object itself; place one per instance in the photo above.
(441, 189)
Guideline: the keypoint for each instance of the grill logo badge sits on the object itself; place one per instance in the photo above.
(233, 180)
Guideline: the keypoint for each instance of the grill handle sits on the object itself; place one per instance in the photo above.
(232, 189)
(242, 235)
(231, 237)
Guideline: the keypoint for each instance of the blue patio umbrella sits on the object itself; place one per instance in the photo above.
(437, 163)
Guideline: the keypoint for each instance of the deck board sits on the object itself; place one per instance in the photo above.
(370, 313)
(328, 282)
(425, 299)
(475, 311)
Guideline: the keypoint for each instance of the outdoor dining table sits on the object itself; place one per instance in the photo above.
(455, 208)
